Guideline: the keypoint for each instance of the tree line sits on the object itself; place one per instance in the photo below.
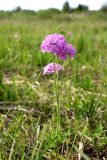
(46, 13)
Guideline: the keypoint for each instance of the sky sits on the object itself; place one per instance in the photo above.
(44, 4)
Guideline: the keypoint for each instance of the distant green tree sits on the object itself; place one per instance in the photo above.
(82, 7)
(17, 9)
(66, 7)
(47, 13)
(104, 8)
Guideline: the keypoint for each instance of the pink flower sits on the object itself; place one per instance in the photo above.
(51, 68)
(57, 44)
(70, 34)
(71, 50)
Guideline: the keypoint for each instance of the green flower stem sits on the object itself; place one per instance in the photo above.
(56, 100)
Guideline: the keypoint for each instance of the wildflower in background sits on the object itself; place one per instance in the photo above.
(56, 43)
(51, 68)
(70, 34)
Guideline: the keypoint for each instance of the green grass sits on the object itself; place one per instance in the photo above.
(28, 113)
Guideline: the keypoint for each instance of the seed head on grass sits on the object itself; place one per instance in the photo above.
(57, 44)
(51, 68)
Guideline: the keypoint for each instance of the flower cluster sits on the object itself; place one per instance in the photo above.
(57, 44)
(51, 68)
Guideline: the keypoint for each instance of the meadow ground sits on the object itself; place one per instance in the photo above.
(28, 110)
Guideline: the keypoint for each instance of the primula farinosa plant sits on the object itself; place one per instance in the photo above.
(57, 45)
